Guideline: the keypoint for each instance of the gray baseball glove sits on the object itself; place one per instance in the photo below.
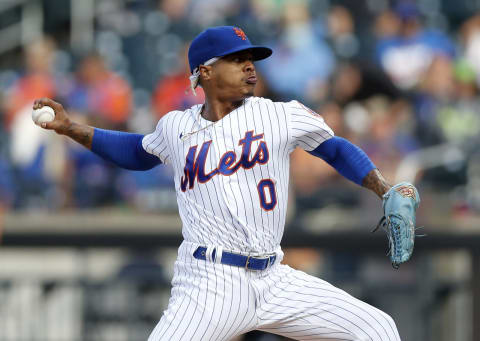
(399, 206)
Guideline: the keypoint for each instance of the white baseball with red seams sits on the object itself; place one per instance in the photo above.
(44, 114)
(231, 179)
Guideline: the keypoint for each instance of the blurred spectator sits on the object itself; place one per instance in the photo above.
(405, 48)
(36, 156)
(388, 138)
(266, 11)
(176, 10)
(213, 12)
(302, 61)
(358, 81)
(89, 180)
(387, 25)
(37, 80)
(447, 109)
(173, 91)
(341, 30)
(103, 99)
(459, 119)
(7, 184)
(7, 187)
(101, 94)
(470, 39)
(436, 90)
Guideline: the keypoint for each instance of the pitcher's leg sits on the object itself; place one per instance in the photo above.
(209, 302)
(302, 307)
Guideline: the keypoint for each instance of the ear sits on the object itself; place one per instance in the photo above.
(205, 72)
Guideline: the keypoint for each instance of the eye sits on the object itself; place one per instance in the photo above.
(242, 59)
(248, 58)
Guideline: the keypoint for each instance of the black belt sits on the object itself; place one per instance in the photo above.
(235, 259)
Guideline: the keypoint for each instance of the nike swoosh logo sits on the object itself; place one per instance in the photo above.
(186, 136)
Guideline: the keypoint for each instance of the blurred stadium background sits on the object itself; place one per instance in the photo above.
(87, 249)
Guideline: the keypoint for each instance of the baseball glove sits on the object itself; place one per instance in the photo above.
(399, 206)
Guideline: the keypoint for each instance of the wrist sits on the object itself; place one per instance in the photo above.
(80, 133)
(375, 182)
(386, 188)
(67, 128)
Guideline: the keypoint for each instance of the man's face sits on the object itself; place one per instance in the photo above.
(233, 76)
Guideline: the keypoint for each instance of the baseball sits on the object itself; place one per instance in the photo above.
(43, 115)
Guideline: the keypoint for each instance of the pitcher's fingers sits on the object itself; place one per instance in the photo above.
(39, 102)
(36, 104)
(47, 101)
(47, 125)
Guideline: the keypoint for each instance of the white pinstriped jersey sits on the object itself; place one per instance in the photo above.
(231, 176)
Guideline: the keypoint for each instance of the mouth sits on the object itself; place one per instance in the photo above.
(252, 79)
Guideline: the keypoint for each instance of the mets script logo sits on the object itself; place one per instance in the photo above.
(239, 32)
(228, 164)
(406, 191)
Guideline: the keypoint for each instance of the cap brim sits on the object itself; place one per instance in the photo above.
(259, 52)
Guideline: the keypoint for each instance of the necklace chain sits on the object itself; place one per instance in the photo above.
(197, 122)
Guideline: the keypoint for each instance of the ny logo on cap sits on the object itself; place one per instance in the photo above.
(239, 32)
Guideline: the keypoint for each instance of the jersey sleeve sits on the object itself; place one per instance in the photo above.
(156, 143)
(307, 129)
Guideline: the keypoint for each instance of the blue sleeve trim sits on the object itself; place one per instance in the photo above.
(348, 159)
(123, 149)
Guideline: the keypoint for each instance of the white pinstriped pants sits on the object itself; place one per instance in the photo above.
(218, 302)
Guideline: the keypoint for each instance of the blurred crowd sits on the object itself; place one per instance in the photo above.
(398, 78)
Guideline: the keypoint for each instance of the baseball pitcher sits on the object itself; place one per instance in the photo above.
(231, 160)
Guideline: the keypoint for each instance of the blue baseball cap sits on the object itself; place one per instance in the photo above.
(220, 41)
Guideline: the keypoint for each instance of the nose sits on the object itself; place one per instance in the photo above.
(249, 66)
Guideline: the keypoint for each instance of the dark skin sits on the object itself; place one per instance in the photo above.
(226, 83)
